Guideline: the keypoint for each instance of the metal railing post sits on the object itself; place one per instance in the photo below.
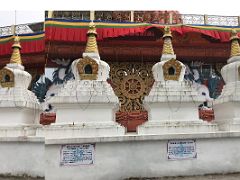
(205, 19)
(132, 16)
(170, 18)
(92, 15)
(50, 14)
(13, 29)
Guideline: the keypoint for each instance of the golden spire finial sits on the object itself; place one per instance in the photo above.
(167, 41)
(16, 56)
(91, 41)
(235, 49)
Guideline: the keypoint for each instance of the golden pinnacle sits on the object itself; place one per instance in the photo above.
(16, 56)
(167, 32)
(167, 41)
(91, 41)
(235, 48)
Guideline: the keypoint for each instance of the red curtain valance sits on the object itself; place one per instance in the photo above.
(29, 43)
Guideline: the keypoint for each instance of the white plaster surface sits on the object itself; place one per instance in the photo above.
(22, 78)
(230, 71)
(124, 159)
(18, 130)
(173, 108)
(81, 130)
(84, 113)
(226, 106)
(84, 108)
(83, 92)
(21, 157)
(18, 116)
(227, 115)
(166, 57)
(18, 105)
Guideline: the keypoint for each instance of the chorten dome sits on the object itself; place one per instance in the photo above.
(231, 72)
(226, 106)
(172, 103)
(88, 102)
(18, 106)
(168, 68)
(13, 74)
(91, 67)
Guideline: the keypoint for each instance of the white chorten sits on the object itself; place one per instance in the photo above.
(172, 103)
(86, 106)
(19, 107)
(227, 105)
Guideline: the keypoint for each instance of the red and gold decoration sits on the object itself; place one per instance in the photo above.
(206, 114)
(82, 64)
(121, 16)
(47, 118)
(131, 120)
(161, 17)
(91, 46)
(235, 49)
(30, 43)
(132, 87)
(75, 30)
(176, 67)
(167, 44)
(131, 82)
(16, 56)
(6, 78)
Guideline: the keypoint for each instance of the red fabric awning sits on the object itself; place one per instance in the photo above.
(31, 43)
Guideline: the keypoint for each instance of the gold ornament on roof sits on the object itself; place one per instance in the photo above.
(172, 70)
(91, 41)
(167, 32)
(16, 56)
(87, 68)
(167, 41)
(235, 49)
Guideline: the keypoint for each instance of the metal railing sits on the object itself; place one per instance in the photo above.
(159, 17)
(22, 29)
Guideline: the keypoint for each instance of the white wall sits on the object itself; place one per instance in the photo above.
(139, 158)
(18, 158)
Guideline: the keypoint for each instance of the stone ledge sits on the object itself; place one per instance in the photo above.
(32, 139)
(135, 137)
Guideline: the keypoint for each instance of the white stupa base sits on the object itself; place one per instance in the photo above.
(84, 109)
(172, 111)
(18, 130)
(173, 108)
(81, 130)
(174, 117)
(12, 116)
(176, 127)
(84, 113)
(18, 106)
(83, 120)
(227, 113)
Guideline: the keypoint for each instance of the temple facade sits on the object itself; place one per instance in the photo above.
(137, 96)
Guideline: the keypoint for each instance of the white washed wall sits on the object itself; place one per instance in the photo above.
(145, 156)
(21, 157)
